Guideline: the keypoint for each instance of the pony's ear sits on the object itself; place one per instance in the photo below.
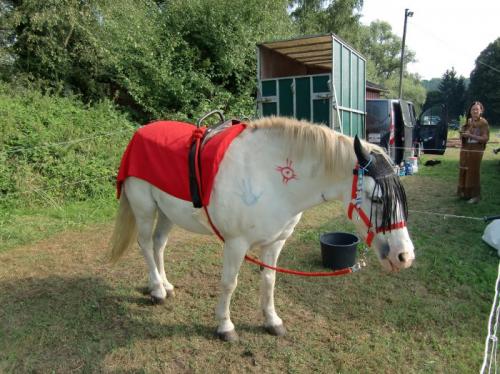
(361, 153)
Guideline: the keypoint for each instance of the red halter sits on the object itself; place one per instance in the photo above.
(372, 231)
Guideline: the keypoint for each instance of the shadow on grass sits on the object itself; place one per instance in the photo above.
(63, 324)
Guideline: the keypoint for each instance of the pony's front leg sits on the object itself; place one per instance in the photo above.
(273, 323)
(234, 252)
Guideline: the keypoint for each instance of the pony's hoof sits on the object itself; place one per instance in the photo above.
(278, 330)
(157, 300)
(228, 336)
(144, 290)
(170, 293)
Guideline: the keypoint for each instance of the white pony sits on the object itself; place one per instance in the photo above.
(272, 172)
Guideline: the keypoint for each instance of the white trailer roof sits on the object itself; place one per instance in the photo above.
(315, 50)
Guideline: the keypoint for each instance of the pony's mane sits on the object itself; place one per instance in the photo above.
(303, 137)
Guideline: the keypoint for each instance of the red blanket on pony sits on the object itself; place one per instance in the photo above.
(158, 154)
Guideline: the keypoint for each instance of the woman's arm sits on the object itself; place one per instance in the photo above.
(484, 133)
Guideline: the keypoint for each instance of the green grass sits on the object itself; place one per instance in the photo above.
(25, 225)
(64, 309)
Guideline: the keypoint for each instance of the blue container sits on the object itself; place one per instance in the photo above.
(408, 168)
(402, 171)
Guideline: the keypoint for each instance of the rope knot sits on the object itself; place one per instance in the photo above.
(198, 133)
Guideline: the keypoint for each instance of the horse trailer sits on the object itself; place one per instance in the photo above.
(321, 79)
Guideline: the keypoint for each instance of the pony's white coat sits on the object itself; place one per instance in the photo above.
(254, 203)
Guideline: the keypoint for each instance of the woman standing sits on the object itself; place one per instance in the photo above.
(474, 135)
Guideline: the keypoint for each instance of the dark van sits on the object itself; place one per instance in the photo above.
(391, 123)
(431, 132)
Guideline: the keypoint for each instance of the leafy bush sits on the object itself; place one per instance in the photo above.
(153, 58)
(57, 149)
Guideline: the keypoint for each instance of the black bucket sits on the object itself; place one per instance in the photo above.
(338, 249)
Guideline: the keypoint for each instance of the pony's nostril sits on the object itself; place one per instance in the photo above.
(402, 257)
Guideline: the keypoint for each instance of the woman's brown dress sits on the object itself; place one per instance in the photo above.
(471, 155)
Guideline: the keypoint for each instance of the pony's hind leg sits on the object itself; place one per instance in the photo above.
(273, 324)
(144, 207)
(160, 239)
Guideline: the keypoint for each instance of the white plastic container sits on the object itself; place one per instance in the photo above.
(414, 163)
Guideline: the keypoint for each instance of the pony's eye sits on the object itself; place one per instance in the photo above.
(377, 200)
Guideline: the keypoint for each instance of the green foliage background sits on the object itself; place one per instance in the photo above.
(152, 58)
(485, 81)
(177, 59)
(79, 70)
(39, 157)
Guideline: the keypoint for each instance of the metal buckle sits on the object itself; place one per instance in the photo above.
(358, 266)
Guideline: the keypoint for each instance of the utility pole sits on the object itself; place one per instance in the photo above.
(408, 13)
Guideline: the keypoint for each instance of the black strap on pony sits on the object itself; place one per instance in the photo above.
(194, 160)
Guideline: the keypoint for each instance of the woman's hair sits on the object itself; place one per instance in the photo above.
(470, 107)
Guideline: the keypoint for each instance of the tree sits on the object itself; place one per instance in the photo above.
(305, 14)
(452, 90)
(432, 84)
(52, 40)
(342, 18)
(485, 81)
(382, 48)
(322, 16)
(433, 98)
(6, 39)
(413, 90)
(155, 58)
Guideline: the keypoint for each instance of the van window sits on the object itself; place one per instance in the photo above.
(407, 111)
(412, 114)
(377, 115)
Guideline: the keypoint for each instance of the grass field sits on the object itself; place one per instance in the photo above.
(64, 309)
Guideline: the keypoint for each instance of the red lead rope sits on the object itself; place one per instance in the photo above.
(283, 270)
(304, 273)
(352, 206)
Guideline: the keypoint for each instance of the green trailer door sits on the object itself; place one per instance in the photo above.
(285, 98)
(303, 98)
(321, 99)
(269, 94)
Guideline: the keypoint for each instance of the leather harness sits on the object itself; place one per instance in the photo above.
(200, 136)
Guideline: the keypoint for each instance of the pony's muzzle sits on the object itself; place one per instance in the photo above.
(405, 259)
(395, 260)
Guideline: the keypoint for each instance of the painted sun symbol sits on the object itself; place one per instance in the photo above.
(287, 171)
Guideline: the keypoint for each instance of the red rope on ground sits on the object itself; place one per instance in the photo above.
(278, 269)
(302, 273)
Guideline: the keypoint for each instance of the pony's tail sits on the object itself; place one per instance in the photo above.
(125, 232)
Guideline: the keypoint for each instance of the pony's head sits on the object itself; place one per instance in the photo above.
(378, 208)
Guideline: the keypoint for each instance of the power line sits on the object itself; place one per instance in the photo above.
(64, 184)
(69, 142)
(448, 215)
(489, 66)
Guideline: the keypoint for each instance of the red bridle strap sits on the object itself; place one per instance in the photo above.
(364, 217)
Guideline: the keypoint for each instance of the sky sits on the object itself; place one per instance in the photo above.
(442, 33)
